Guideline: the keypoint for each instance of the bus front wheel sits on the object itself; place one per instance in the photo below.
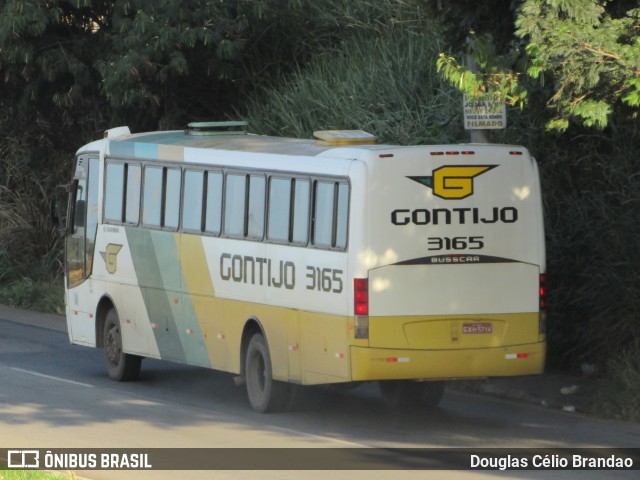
(265, 394)
(120, 366)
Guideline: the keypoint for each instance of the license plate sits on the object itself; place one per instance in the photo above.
(477, 328)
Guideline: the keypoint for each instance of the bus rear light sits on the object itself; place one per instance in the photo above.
(453, 152)
(360, 296)
(361, 307)
(543, 291)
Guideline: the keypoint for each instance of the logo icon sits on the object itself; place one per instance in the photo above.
(110, 257)
(23, 459)
(453, 182)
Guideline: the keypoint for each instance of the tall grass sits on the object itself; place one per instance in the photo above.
(384, 84)
(622, 397)
(30, 253)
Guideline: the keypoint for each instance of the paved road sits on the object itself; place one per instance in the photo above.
(54, 395)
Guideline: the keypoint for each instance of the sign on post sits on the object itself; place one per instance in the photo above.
(484, 113)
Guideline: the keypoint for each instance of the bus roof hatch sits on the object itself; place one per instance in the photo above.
(345, 137)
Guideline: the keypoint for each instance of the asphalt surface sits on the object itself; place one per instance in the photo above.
(559, 391)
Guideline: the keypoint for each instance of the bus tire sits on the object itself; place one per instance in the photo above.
(121, 366)
(406, 393)
(265, 394)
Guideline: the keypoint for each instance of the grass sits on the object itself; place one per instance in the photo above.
(42, 295)
(621, 397)
(386, 85)
(34, 474)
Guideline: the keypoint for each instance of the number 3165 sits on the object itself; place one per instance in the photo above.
(455, 243)
(324, 279)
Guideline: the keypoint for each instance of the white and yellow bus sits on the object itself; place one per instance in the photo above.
(300, 262)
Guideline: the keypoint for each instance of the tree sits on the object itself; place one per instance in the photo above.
(584, 55)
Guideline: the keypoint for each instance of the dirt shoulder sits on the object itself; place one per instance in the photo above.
(559, 391)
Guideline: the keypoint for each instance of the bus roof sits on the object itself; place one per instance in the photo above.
(171, 144)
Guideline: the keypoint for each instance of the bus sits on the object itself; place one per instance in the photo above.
(288, 262)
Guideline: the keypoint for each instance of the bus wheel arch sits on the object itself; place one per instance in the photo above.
(251, 328)
(120, 366)
(103, 308)
(264, 393)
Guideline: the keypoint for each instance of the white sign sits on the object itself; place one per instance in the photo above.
(484, 113)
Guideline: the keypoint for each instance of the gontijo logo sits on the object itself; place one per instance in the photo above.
(453, 182)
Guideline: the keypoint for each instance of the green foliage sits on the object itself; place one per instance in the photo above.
(591, 58)
(585, 55)
(154, 49)
(155, 64)
(463, 18)
(491, 79)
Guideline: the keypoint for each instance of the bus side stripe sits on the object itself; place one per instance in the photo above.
(197, 282)
(156, 262)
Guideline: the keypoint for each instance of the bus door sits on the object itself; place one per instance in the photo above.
(83, 221)
(81, 228)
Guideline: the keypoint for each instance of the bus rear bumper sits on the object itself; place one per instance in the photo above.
(396, 364)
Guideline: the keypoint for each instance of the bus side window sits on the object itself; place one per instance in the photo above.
(192, 207)
(161, 199)
(152, 197)
(234, 205)
(114, 193)
(331, 210)
(213, 206)
(279, 209)
(171, 208)
(255, 210)
(300, 214)
(323, 214)
(342, 216)
(132, 204)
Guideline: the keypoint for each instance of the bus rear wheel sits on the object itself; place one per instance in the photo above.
(406, 393)
(265, 394)
(121, 366)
